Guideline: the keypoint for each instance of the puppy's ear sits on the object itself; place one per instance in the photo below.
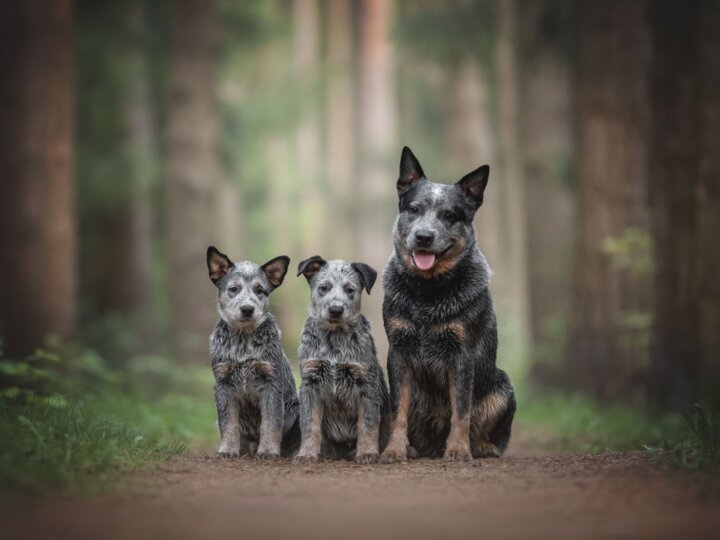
(410, 171)
(473, 185)
(275, 270)
(309, 267)
(218, 264)
(367, 275)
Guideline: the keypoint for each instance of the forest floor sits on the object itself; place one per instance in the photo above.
(526, 494)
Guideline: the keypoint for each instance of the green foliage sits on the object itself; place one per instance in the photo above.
(631, 250)
(559, 421)
(700, 449)
(69, 421)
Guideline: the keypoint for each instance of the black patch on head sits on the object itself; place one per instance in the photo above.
(367, 275)
(410, 171)
(218, 264)
(473, 185)
(275, 270)
(310, 267)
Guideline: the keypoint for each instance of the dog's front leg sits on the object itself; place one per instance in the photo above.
(457, 447)
(271, 423)
(368, 428)
(311, 414)
(400, 393)
(228, 424)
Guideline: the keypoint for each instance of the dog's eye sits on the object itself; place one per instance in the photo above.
(413, 209)
(450, 216)
(233, 289)
(323, 288)
(349, 291)
(259, 291)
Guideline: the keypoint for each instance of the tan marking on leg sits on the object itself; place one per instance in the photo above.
(395, 324)
(457, 447)
(310, 367)
(358, 372)
(230, 440)
(488, 413)
(366, 449)
(455, 327)
(396, 450)
(221, 371)
(310, 446)
(263, 368)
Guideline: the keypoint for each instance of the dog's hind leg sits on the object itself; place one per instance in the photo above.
(492, 423)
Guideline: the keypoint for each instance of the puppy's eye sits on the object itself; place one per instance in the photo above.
(449, 216)
(323, 288)
(233, 289)
(259, 291)
(414, 209)
(349, 290)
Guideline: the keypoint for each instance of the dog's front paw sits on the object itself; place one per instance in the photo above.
(458, 453)
(227, 455)
(393, 455)
(267, 456)
(305, 459)
(486, 450)
(367, 458)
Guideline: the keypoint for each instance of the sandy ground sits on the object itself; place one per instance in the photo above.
(523, 495)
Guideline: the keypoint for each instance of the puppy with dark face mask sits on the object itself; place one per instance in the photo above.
(344, 403)
(448, 397)
(255, 394)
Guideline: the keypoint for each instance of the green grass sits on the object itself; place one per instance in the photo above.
(561, 422)
(74, 424)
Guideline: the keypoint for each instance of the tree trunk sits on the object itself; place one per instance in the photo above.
(511, 174)
(606, 355)
(37, 210)
(685, 195)
(193, 174)
(379, 152)
(340, 127)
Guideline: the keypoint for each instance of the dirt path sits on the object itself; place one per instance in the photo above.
(519, 496)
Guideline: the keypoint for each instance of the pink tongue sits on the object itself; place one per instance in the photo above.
(424, 261)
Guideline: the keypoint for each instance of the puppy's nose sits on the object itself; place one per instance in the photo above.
(336, 311)
(247, 311)
(424, 237)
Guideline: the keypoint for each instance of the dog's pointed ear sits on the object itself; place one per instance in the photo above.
(410, 171)
(309, 267)
(473, 185)
(218, 264)
(275, 270)
(368, 275)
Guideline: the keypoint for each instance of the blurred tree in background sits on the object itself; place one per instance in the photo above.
(136, 133)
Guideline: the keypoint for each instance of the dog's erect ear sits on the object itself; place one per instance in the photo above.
(473, 185)
(218, 264)
(410, 171)
(275, 270)
(309, 267)
(367, 275)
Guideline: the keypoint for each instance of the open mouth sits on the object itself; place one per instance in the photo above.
(424, 260)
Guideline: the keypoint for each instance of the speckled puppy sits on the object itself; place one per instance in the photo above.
(344, 402)
(255, 394)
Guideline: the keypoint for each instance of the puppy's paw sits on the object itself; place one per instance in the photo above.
(412, 453)
(393, 455)
(367, 458)
(305, 459)
(457, 454)
(486, 450)
(267, 456)
(227, 455)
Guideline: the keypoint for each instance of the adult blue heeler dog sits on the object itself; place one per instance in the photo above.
(448, 397)
(255, 396)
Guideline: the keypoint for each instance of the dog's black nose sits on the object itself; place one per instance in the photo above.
(424, 237)
(336, 311)
(247, 311)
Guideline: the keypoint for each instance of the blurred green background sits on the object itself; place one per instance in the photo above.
(135, 133)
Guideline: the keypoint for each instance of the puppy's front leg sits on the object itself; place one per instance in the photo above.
(227, 412)
(368, 428)
(457, 447)
(310, 425)
(271, 423)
